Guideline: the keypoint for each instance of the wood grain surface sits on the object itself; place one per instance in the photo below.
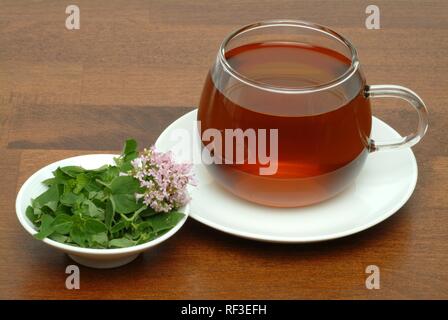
(133, 67)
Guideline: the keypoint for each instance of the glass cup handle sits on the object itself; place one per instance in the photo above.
(381, 91)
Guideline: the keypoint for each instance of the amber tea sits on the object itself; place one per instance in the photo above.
(320, 144)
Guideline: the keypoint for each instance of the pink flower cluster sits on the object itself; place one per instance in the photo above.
(165, 180)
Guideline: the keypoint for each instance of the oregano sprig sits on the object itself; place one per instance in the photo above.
(104, 207)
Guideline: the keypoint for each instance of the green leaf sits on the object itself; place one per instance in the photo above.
(121, 243)
(58, 237)
(100, 169)
(130, 146)
(103, 183)
(107, 176)
(30, 214)
(93, 226)
(47, 210)
(163, 221)
(62, 223)
(99, 240)
(78, 236)
(118, 226)
(101, 196)
(147, 236)
(144, 226)
(38, 212)
(125, 166)
(69, 198)
(49, 198)
(45, 228)
(147, 212)
(81, 181)
(90, 209)
(125, 203)
(123, 189)
(128, 154)
(93, 186)
(49, 182)
(60, 177)
(72, 171)
(124, 185)
(63, 209)
(109, 213)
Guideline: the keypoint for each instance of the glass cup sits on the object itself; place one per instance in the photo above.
(285, 117)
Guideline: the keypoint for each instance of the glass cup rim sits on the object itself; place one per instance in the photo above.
(351, 70)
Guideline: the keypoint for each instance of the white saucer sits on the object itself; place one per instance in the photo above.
(384, 185)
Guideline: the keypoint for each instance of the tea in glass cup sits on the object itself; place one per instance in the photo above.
(304, 83)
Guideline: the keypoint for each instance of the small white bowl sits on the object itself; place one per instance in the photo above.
(94, 258)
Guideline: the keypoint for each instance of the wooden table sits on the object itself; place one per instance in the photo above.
(135, 66)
